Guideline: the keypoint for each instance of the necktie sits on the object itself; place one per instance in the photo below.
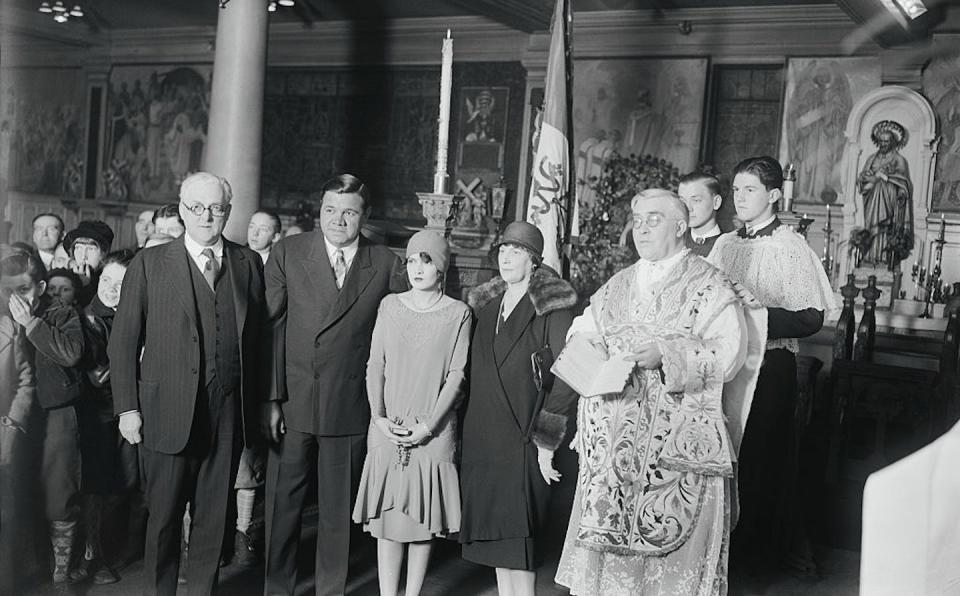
(340, 267)
(210, 268)
(698, 240)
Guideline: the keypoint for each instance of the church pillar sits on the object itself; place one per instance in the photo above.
(234, 140)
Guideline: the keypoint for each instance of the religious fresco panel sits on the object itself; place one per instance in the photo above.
(640, 106)
(941, 85)
(156, 130)
(819, 96)
(42, 130)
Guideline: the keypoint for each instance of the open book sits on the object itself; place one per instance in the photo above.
(587, 369)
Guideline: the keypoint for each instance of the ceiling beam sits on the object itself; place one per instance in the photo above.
(524, 15)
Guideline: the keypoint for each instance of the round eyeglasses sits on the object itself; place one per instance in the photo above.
(216, 210)
(652, 220)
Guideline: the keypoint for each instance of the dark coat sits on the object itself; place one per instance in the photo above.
(321, 335)
(158, 314)
(503, 493)
(17, 389)
(58, 343)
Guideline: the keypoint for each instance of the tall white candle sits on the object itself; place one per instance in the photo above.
(443, 133)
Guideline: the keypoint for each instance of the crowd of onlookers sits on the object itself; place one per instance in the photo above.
(59, 296)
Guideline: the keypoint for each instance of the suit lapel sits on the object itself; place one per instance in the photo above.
(180, 276)
(512, 329)
(358, 277)
(236, 264)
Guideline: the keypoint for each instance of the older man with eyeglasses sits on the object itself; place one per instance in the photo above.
(652, 509)
(185, 341)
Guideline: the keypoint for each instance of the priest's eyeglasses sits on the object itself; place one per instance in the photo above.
(216, 210)
(651, 219)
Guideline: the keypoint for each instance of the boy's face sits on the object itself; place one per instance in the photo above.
(108, 289)
(87, 252)
(62, 290)
(21, 285)
(753, 201)
(701, 203)
(261, 233)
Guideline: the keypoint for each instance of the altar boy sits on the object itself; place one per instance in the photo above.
(784, 274)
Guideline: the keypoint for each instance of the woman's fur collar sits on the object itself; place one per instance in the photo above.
(547, 292)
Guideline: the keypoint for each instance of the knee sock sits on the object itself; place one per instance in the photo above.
(245, 500)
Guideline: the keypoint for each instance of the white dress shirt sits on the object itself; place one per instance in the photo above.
(195, 250)
(756, 227)
(349, 252)
(713, 231)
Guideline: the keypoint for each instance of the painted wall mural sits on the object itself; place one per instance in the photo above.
(941, 85)
(42, 130)
(819, 96)
(156, 130)
(639, 106)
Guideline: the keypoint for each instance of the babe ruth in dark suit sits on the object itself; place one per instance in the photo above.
(194, 307)
(323, 291)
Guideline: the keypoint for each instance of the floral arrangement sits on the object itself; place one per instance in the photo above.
(900, 243)
(600, 253)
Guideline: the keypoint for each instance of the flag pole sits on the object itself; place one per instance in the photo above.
(572, 201)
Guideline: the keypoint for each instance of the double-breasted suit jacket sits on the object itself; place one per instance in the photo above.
(321, 335)
(158, 315)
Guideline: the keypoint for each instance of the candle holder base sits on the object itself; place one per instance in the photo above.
(438, 209)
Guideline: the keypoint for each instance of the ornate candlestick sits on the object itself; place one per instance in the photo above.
(827, 259)
(866, 333)
(933, 282)
(438, 206)
(846, 325)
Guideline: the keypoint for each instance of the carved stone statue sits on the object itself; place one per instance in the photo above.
(887, 194)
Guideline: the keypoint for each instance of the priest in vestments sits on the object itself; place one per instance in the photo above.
(655, 491)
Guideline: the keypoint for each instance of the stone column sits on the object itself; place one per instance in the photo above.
(234, 139)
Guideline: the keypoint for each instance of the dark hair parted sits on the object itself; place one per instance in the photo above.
(120, 257)
(16, 261)
(709, 180)
(277, 225)
(347, 184)
(48, 214)
(168, 210)
(766, 168)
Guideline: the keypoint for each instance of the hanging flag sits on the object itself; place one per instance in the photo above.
(551, 191)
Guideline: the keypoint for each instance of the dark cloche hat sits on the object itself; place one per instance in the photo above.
(97, 231)
(523, 234)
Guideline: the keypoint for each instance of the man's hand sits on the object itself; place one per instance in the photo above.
(130, 425)
(545, 461)
(271, 422)
(419, 434)
(647, 356)
(20, 310)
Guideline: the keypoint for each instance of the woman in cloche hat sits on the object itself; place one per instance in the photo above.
(410, 490)
(516, 414)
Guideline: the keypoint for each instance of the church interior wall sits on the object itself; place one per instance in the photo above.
(406, 53)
